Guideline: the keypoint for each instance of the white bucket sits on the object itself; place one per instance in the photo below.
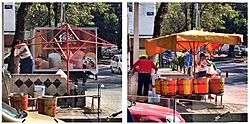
(39, 90)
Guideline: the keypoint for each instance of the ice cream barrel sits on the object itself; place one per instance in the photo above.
(169, 87)
(185, 86)
(201, 85)
(216, 85)
(19, 101)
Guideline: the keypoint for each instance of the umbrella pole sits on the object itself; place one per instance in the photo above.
(194, 51)
(68, 60)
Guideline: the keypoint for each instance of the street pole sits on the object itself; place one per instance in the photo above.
(98, 106)
(62, 13)
(136, 33)
(197, 16)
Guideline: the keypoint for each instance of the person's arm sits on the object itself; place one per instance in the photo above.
(154, 66)
(24, 50)
(209, 62)
(16, 52)
(135, 65)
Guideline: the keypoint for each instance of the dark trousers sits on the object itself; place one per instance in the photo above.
(26, 65)
(201, 74)
(144, 79)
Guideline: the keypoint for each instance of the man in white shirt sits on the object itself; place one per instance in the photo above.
(26, 63)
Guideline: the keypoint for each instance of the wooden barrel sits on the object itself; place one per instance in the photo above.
(168, 87)
(158, 86)
(19, 101)
(50, 105)
(201, 85)
(40, 105)
(216, 85)
(185, 86)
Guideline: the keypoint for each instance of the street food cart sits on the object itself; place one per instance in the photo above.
(168, 84)
(67, 47)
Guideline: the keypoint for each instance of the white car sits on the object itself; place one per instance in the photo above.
(10, 114)
(116, 64)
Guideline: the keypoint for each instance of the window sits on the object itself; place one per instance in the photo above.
(8, 6)
(150, 13)
(130, 5)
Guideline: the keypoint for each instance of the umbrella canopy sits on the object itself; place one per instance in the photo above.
(189, 40)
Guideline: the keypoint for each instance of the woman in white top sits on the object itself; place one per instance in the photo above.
(26, 63)
(202, 66)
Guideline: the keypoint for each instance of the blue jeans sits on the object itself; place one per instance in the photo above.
(26, 65)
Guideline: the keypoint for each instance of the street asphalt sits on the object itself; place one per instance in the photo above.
(236, 84)
(111, 91)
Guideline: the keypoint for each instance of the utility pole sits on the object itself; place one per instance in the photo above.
(62, 13)
(197, 16)
(136, 33)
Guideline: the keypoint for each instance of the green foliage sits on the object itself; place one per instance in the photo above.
(220, 17)
(106, 16)
(174, 20)
(37, 16)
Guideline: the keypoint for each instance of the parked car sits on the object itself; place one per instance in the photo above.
(10, 114)
(225, 49)
(167, 58)
(116, 64)
(244, 50)
(237, 50)
(6, 60)
(110, 51)
(144, 112)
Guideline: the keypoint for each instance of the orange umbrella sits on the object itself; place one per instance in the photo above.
(189, 40)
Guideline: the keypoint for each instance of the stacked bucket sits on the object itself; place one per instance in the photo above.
(171, 87)
(47, 105)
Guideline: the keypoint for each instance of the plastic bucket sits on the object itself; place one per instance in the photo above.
(201, 85)
(185, 87)
(50, 105)
(39, 90)
(47, 105)
(40, 105)
(169, 87)
(216, 85)
(19, 101)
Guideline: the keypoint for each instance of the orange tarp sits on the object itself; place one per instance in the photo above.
(189, 40)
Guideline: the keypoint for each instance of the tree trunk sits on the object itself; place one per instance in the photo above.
(192, 16)
(162, 10)
(48, 6)
(231, 51)
(19, 33)
(56, 12)
(186, 15)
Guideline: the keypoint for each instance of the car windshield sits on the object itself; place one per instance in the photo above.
(15, 113)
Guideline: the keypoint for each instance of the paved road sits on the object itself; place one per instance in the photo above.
(236, 67)
(111, 93)
(236, 83)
